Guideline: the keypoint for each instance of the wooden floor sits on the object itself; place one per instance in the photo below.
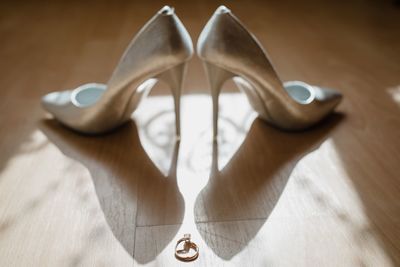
(328, 196)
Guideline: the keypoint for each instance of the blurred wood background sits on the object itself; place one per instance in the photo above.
(328, 196)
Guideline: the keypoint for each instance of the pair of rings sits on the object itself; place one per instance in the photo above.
(190, 250)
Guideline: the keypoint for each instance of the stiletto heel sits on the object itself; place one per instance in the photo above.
(174, 78)
(229, 50)
(159, 51)
(216, 78)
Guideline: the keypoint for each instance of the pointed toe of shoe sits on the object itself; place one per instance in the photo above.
(54, 101)
(329, 96)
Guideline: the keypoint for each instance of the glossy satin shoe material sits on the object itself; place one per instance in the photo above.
(229, 50)
(159, 51)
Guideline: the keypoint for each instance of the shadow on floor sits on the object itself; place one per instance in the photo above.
(131, 190)
(250, 185)
(369, 158)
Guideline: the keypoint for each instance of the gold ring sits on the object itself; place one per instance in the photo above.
(184, 254)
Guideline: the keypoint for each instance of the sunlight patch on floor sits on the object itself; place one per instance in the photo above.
(394, 92)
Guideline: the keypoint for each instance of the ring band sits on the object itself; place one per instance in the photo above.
(186, 248)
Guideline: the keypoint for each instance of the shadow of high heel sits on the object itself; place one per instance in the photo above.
(131, 190)
(250, 185)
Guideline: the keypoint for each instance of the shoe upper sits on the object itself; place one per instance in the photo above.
(226, 43)
(162, 43)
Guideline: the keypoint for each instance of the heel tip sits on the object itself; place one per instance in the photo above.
(166, 10)
(222, 9)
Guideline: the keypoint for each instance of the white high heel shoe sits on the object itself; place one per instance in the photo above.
(159, 51)
(229, 50)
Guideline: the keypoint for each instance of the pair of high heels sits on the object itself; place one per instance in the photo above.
(161, 50)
